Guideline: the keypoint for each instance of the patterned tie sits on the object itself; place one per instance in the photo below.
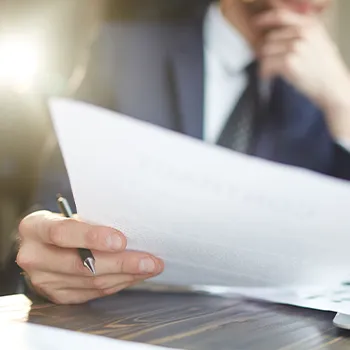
(238, 131)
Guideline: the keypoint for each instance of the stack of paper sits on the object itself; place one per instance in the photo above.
(216, 217)
(25, 336)
(14, 307)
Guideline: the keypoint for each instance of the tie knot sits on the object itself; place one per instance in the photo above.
(251, 68)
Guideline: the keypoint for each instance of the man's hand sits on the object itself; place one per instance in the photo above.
(298, 48)
(49, 257)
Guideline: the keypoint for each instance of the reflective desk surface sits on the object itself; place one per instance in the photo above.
(187, 321)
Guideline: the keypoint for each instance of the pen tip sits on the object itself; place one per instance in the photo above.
(90, 264)
(58, 196)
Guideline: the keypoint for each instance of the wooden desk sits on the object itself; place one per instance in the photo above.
(188, 321)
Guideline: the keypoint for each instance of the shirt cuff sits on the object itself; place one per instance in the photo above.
(345, 144)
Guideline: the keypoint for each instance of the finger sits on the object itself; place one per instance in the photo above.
(53, 229)
(80, 296)
(285, 34)
(104, 282)
(57, 281)
(281, 48)
(272, 49)
(71, 297)
(36, 257)
(278, 18)
(128, 262)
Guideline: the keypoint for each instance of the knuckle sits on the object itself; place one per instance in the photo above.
(23, 227)
(91, 237)
(36, 281)
(99, 282)
(120, 265)
(111, 291)
(104, 292)
(26, 258)
(39, 284)
(31, 222)
(129, 279)
(42, 287)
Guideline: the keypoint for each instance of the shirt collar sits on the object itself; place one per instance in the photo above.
(225, 42)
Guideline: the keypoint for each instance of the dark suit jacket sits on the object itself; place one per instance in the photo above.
(154, 71)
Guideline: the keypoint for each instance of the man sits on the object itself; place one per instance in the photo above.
(193, 76)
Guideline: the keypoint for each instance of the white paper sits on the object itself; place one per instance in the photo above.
(325, 299)
(25, 336)
(216, 217)
(14, 308)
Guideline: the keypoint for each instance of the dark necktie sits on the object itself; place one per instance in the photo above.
(238, 131)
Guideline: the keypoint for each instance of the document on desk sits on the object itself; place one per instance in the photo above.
(26, 336)
(216, 217)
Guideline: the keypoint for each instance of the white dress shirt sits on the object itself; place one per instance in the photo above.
(227, 54)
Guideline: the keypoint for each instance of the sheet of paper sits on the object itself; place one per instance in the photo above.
(14, 308)
(325, 299)
(25, 336)
(216, 217)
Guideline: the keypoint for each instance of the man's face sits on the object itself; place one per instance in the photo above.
(301, 6)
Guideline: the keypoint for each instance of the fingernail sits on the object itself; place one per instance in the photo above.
(114, 242)
(147, 265)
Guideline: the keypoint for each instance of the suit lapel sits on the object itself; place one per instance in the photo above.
(188, 76)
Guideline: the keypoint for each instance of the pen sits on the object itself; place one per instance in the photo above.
(85, 254)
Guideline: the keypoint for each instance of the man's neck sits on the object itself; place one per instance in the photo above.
(240, 17)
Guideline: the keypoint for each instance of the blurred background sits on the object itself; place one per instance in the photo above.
(40, 44)
(43, 48)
